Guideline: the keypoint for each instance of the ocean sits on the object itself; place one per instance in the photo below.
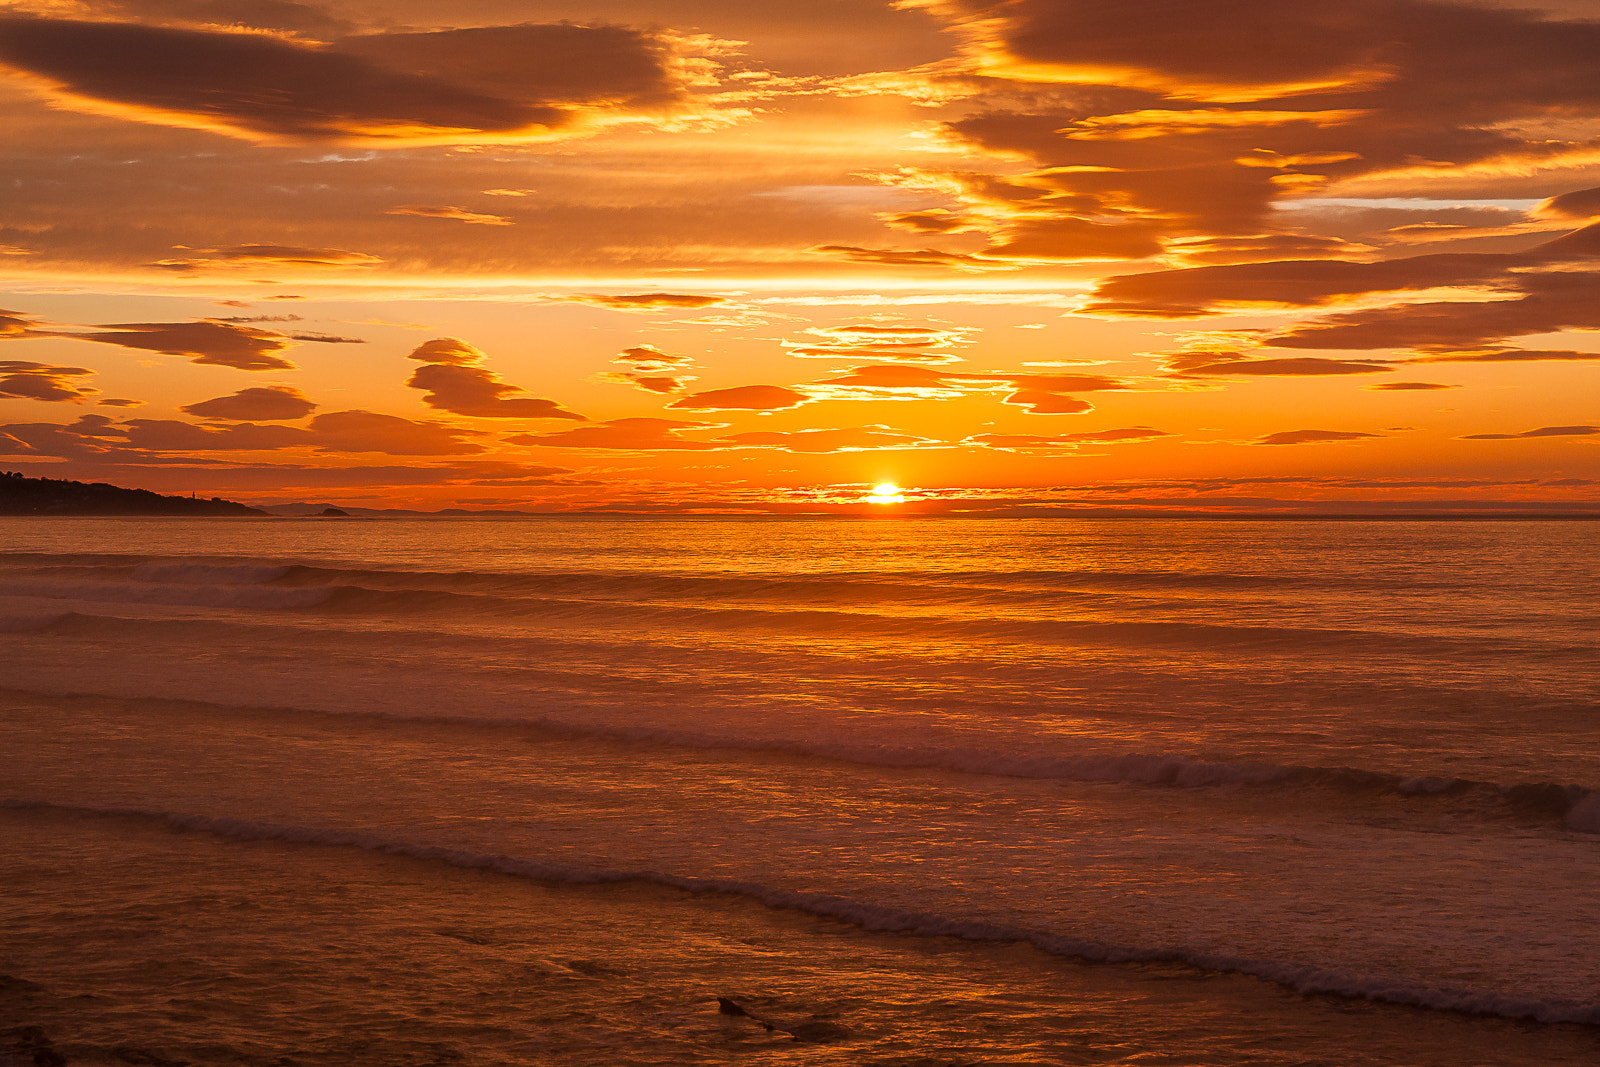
(922, 793)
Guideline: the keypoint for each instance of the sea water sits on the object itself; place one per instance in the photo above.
(912, 792)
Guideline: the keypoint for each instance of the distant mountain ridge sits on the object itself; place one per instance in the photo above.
(21, 495)
(301, 509)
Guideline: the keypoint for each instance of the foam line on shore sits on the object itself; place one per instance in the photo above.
(1300, 977)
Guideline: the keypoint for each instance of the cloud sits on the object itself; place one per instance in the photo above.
(288, 477)
(648, 362)
(1506, 355)
(370, 431)
(1016, 442)
(487, 82)
(743, 398)
(646, 301)
(856, 333)
(248, 83)
(572, 66)
(1074, 239)
(278, 403)
(1041, 402)
(257, 14)
(1400, 387)
(1207, 365)
(169, 435)
(73, 441)
(882, 376)
(1165, 116)
(897, 353)
(650, 358)
(1262, 50)
(636, 435)
(14, 325)
(450, 351)
(1307, 437)
(1041, 394)
(879, 379)
(455, 383)
(1195, 291)
(858, 439)
(922, 257)
(211, 342)
(460, 214)
(902, 344)
(936, 221)
(327, 338)
(42, 381)
(334, 431)
(1261, 248)
(1553, 301)
(96, 437)
(1543, 431)
(1544, 290)
(650, 383)
(1579, 204)
(275, 255)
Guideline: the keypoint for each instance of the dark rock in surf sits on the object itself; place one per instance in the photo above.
(728, 1007)
(145, 1058)
(1545, 798)
(29, 1045)
(818, 1030)
(10, 985)
(814, 1029)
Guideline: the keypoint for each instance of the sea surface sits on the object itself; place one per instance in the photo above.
(921, 793)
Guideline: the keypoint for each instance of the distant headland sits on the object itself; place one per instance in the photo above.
(21, 495)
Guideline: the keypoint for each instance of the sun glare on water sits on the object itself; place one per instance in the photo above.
(886, 493)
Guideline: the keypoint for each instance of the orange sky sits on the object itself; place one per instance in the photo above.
(1010, 255)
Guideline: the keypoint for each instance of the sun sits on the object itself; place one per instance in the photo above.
(886, 493)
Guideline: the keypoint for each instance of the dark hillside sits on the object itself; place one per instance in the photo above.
(20, 495)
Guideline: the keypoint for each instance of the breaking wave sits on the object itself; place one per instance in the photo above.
(1301, 977)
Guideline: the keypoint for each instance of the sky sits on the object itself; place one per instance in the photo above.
(706, 256)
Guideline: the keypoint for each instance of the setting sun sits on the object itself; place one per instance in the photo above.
(886, 493)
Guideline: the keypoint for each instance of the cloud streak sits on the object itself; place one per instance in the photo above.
(453, 381)
(99, 438)
(427, 211)
(485, 82)
(1312, 437)
(276, 403)
(743, 398)
(631, 435)
(1543, 431)
(1014, 442)
(210, 342)
(42, 381)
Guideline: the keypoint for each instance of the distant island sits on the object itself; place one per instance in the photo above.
(21, 495)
